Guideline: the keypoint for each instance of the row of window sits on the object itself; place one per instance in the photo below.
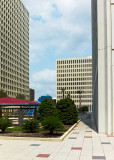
(76, 87)
(21, 72)
(74, 66)
(74, 61)
(74, 75)
(11, 92)
(84, 92)
(14, 56)
(74, 79)
(14, 38)
(15, 64)
(12, 19)
(74, 70)
(74, 83)
(76, 96)
(14, 76)
(14, 6)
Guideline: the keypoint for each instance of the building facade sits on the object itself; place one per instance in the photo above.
(14, 48)
(103, 64)
(40, 99)
(75, 75)
(31, 94)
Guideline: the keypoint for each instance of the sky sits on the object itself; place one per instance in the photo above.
(59, 29)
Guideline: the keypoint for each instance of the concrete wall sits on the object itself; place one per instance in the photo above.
(103, 62)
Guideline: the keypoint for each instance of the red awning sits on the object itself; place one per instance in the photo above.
(9, 101)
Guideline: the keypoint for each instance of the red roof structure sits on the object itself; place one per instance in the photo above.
(9, 101)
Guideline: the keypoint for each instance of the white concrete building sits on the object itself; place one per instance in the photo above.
(14, 48)
(103, 64)
(74, 75)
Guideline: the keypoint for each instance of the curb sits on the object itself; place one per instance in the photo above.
(41, 139)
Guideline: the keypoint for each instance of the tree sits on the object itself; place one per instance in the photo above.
(67, 111)
(63, 92)
(80, 96)
(20, 96)
(3, 94)
(47, 108)
(52, 123)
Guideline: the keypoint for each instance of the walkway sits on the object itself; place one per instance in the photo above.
(83, 143)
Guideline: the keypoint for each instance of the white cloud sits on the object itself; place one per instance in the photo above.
(44, 82)
(48, 76)
(67, 33)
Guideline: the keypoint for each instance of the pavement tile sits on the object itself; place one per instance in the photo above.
(43, 155)
(88, 137)
(72, 138)
(87, 157)
(76, 148)
(98, 157)
(61, 156)
(105, 143)
(75, 133)
(73, 155)
(35, 145)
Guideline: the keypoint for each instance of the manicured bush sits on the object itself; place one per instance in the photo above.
(67, 111)
(47, 108)
(4, 123)
(30, 125)
(83, 109)
(52, 123)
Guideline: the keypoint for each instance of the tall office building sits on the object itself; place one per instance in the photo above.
(14, 48)
(103, 64)
(74, 75)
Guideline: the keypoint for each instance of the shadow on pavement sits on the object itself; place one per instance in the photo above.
(87, 119)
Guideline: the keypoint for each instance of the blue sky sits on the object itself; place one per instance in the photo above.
(58, 29)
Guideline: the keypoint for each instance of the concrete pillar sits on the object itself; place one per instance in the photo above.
(20, 116)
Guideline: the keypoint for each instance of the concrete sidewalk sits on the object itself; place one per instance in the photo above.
(83, 143)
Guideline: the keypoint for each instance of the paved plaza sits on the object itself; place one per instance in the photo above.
(83, 143)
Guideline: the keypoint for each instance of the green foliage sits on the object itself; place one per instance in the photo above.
(46, 109)
(52, 123)
(83, 109)
(3, 94)
(4, 123)
(20, 96)
(16, 128)
(67, 111)
(30, 125)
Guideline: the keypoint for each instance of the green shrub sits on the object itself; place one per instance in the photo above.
(52, 123)
(83, 109)
(67, 111)
(4, 123)
(30, 125)
(47, 108)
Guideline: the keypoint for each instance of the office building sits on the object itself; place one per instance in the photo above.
(75, 75)
(14, 48)
(103, 64)
(31, 94)
(40, 99)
